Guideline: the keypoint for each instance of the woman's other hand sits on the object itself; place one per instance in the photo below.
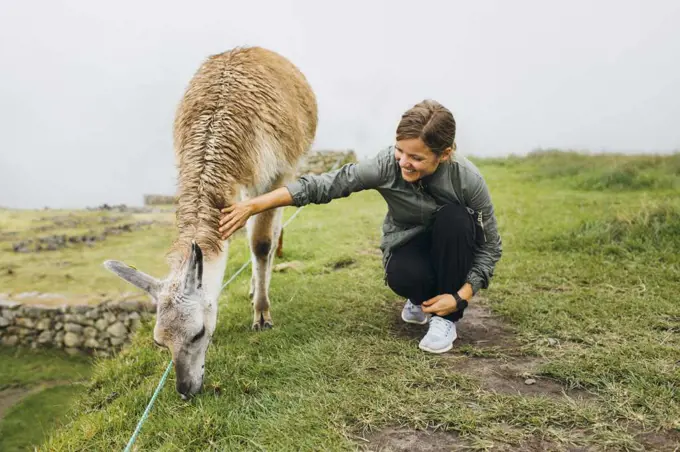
(234, 218)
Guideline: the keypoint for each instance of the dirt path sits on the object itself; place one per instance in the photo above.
(11, 396)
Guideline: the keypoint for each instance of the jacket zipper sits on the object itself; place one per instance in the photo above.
(419, 191)
(389, 258)
(480, 220)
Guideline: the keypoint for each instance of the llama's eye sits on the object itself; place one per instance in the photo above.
(199, 335)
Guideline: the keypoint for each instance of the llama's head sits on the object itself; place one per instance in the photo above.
(185, 318)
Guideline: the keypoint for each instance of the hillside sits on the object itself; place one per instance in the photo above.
(574, 345)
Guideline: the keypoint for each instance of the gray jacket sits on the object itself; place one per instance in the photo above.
(411, 207)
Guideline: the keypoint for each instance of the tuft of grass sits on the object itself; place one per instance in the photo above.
(603, 172)
(651, 228)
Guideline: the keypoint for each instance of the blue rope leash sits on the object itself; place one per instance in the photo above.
(161, 383)
(148, 408)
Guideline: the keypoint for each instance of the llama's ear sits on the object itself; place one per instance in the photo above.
(130, 274)
(194, 276)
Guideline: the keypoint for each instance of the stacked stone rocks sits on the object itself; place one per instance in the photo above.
(318, 162)
(100, 330)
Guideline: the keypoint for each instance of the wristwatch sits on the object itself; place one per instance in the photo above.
(460, 303)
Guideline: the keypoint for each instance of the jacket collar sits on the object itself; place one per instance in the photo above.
(435, 178)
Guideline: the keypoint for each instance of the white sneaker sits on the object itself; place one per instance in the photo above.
(440, 336)
(412, 313)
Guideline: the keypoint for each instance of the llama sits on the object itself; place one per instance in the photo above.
(246, 118)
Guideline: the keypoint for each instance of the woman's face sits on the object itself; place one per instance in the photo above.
(416, 160)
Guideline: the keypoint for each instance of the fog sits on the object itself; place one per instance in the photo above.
(88, 90)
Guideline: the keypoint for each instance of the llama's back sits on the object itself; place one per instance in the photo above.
(236, 100)
(247, 116)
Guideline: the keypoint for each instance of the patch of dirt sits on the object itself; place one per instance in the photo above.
(513, 374)
(343, 263)
(668, 440)
(481, 332)
(540, 445)
(518, 376)
(478, 328)
(404, 440)
(11, 396)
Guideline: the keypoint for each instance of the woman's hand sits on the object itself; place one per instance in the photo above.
(445, 304)
(234, 218)
(440, 305)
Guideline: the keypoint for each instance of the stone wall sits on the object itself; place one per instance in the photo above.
(316, 162)
(158, 200)
(100, 330)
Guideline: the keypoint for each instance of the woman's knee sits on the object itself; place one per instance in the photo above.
(403, 277)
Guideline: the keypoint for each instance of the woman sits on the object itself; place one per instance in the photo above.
(440, 242)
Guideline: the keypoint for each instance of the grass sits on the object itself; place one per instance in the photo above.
(48, 383)
(652, 226)
(599, 172)
(591, 269)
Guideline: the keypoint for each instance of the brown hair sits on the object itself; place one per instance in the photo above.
(431, 122)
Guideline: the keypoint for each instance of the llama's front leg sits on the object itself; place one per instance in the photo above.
(264, 232)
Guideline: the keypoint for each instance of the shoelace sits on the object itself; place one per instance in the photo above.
(439, 325)
(414, 308)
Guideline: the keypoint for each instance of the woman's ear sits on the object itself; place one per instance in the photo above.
(447, 153)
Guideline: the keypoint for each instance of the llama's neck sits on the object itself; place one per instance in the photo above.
(200, 227)
(200, 200)
(213, 273)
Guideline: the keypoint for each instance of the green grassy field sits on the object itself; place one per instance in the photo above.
(574, 345)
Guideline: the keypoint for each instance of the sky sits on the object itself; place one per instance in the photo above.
(88, 90)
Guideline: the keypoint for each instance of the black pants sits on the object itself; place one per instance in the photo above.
(437, 261)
